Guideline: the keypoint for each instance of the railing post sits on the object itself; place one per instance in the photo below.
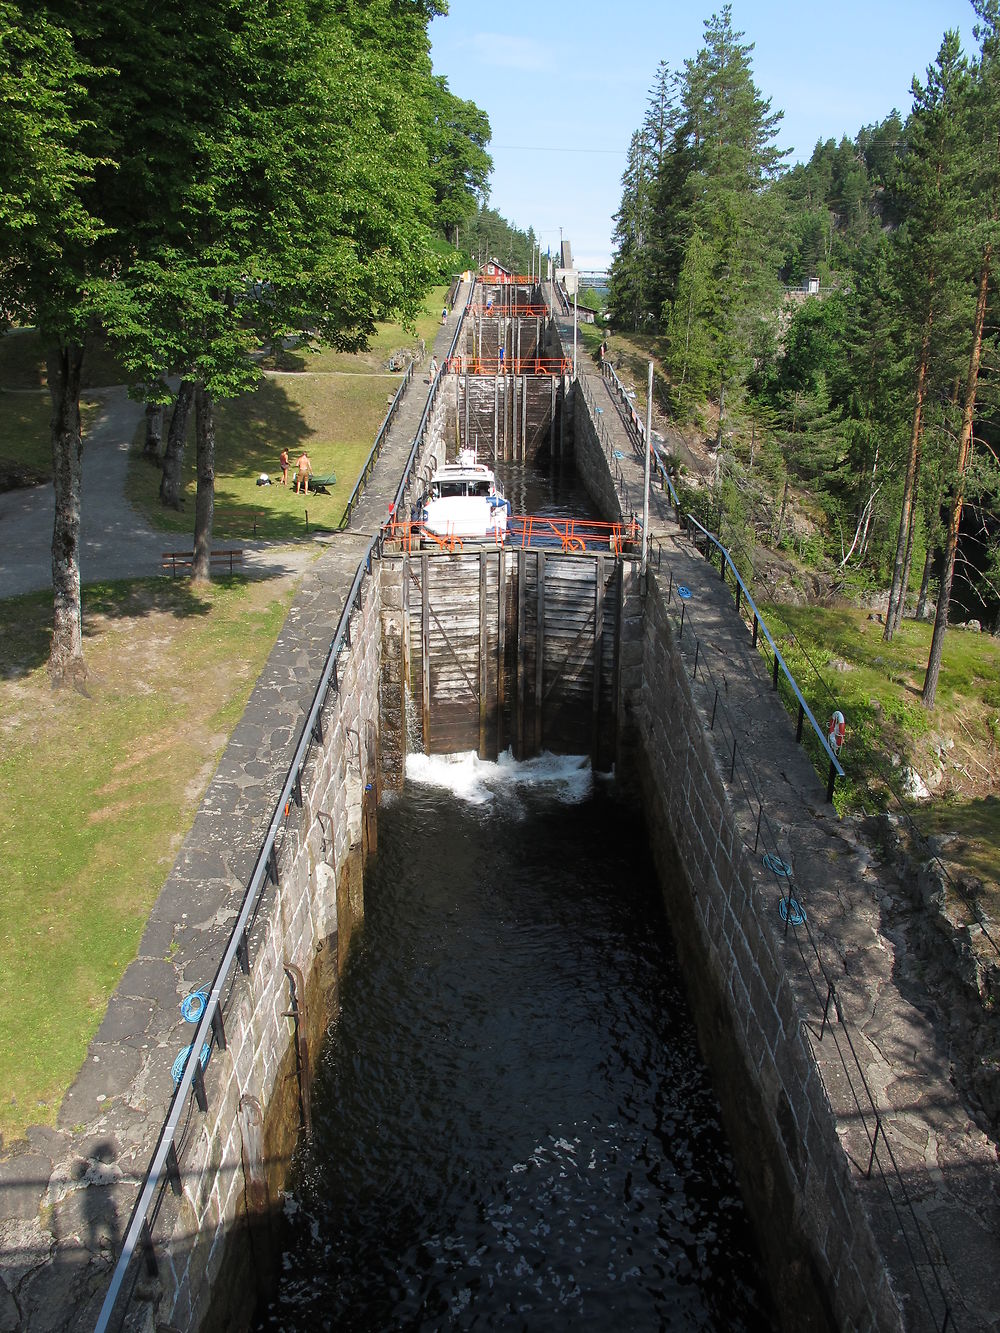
(830, 782)
(715, 704)
(680, 632)
(774, 673)
(826, 1008)
(798, 729)
(756, 626)
(871, 1159)
(694, 673)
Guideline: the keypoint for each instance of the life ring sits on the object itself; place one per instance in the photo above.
(836, 731)
(576, 544)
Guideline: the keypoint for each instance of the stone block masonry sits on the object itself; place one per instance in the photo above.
(826, 1269)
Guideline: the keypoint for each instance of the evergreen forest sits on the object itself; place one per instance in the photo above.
(830, 330)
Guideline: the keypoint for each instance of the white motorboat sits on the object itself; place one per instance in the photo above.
(465, 502)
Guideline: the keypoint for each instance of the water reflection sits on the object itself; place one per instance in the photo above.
(513, 1126)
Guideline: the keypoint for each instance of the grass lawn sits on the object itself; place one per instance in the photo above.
(333, 410)
(333, 417)
(877, 686)
(98, 791)
(387, 340)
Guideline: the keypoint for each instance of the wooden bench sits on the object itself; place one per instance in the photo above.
(178, 561)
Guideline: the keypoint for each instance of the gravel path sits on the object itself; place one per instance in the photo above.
(115, 540)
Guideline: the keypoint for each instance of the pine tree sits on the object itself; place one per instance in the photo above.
(932, 192)
(984, 117)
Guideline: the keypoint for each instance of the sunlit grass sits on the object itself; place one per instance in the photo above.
(98, 790)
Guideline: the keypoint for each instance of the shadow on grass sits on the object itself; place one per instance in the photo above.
(257, 427)
(26, 621)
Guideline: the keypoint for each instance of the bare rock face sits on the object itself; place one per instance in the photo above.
(950, 952)
(914, 787)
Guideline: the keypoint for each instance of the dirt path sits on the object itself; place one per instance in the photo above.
(115, 540)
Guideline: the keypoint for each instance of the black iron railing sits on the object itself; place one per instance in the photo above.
(376, 449)
(778, 859)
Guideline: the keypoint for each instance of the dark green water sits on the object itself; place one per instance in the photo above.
(513, 1127)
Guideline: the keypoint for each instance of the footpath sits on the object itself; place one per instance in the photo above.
(66, 1193)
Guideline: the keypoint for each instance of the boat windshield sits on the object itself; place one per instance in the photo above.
(447, 489)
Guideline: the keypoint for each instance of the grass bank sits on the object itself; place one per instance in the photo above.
(955, 748)
(98, 791)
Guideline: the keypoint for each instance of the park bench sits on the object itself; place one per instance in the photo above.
(179, 561)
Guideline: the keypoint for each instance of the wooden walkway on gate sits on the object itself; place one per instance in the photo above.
(517, 649)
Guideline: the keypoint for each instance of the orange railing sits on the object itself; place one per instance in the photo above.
(571, 536)
(519, 310)
(506, 279)
(495, 365)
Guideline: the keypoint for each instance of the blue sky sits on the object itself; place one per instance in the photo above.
(563, 101)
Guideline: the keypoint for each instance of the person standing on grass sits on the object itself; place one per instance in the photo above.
(303, 472)
(283, 462)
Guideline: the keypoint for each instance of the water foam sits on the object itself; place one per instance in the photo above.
(566, 778)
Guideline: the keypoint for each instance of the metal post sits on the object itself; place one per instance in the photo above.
(645, 473)
(574, 335)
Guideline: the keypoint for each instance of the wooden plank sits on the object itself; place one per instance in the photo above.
(598, 656)
(425, 654)
(526, 381)
(483, 673)
(539, 648)
(522, 613)
(405, 647)
(501, 646)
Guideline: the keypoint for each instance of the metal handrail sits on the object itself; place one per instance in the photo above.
(743, 780)
(163, 1166)
(637, 430)
(804, 710)
(418, 438)
(376, 448)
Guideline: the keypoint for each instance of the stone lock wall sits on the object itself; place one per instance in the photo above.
(825, 1268)
(214, 1242)
(591, 463)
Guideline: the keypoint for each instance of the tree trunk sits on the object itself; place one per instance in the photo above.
(925, 582)
(781, 516)
(955, 517)
(173, 457)
(896, 589)
(66, 663)
(154, 432)
(205, 502)
(908, 559)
